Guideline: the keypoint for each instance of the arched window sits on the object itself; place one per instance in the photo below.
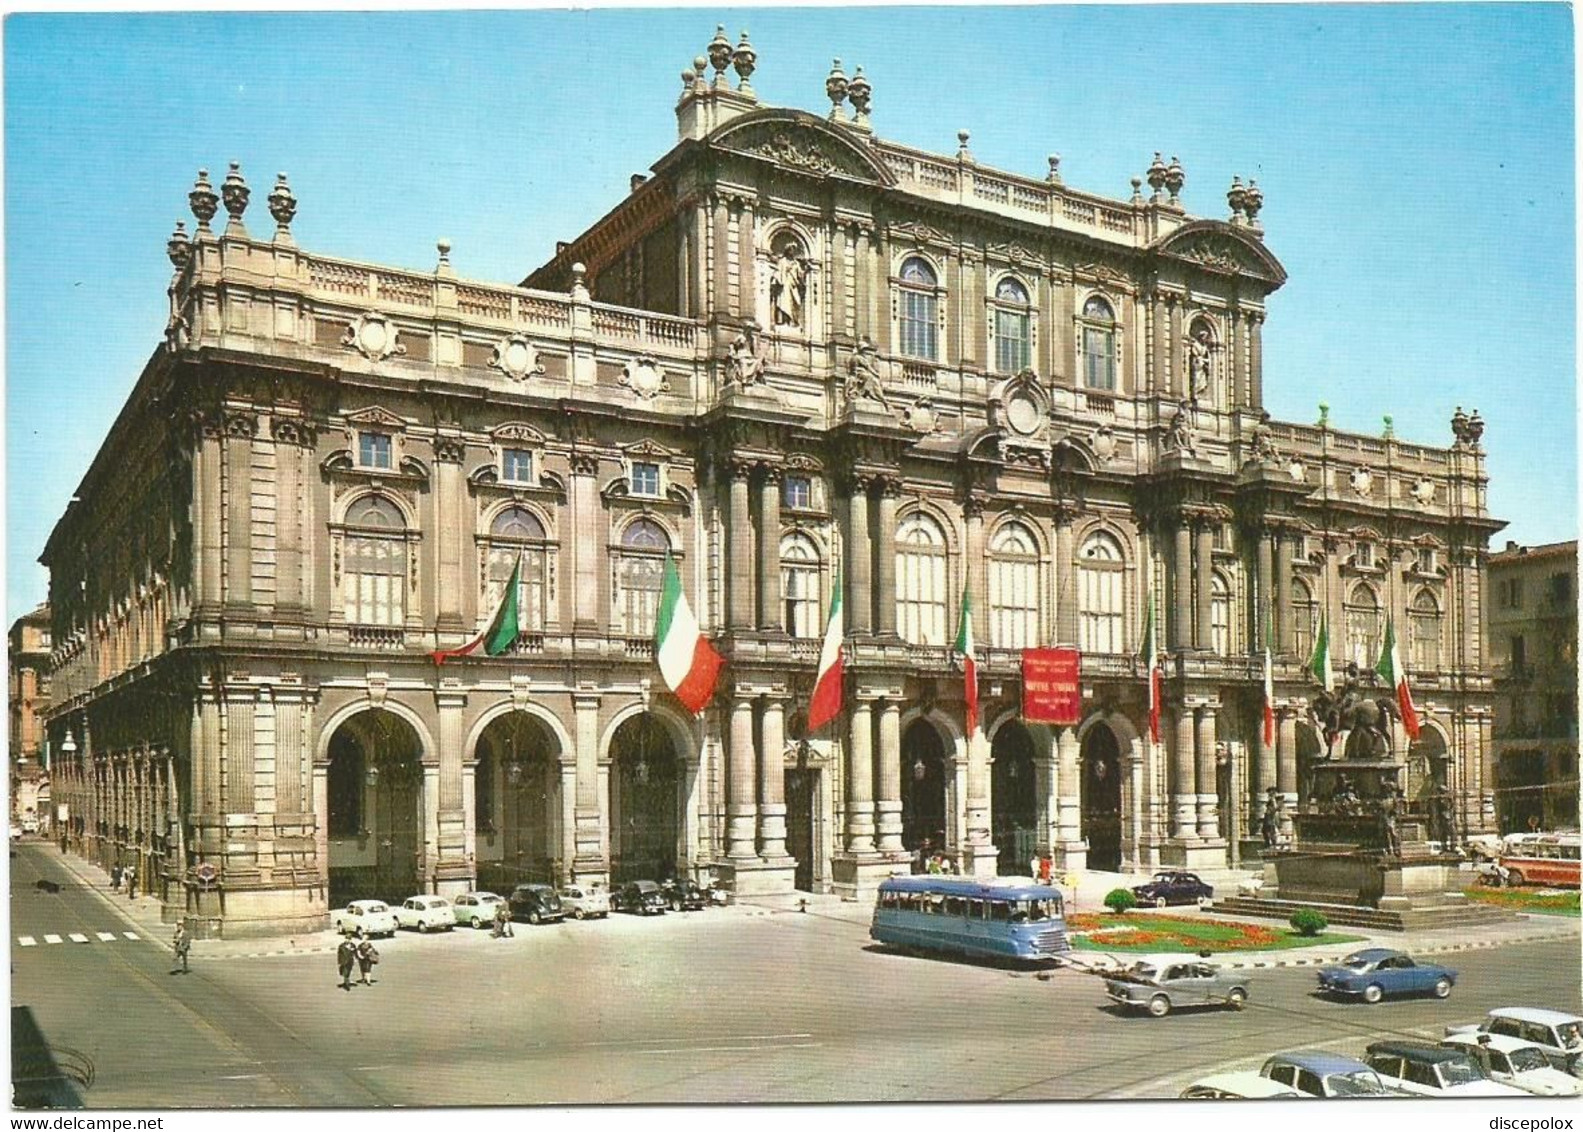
(1305, 618)
(640, 575)
(1013, 339)
(1013, 588)
(515, 533)
(1219, 616)
(372, 589)
(920, 581)
(920, 309)
(800, 585)
(1099, 345)
(1424, 621)
(1100, 572)
(1363, 626)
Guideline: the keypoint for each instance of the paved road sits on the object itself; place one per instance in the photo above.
(720, 1005)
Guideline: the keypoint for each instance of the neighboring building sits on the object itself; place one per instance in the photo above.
(28, 662)
(1533, 635)
(795, 352)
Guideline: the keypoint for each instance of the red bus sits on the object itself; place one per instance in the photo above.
(1549, 859)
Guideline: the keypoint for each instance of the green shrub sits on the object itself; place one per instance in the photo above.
(1308, 921)
(1119, 900)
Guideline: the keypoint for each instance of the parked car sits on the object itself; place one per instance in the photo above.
(1173, 888)
(1162, 983)
(1236, 1086)
(1375, 972)
(1559, 1034)
(426, 914)
(536, 903)
(583, 901)
(684, 895)
(1512, 1061)
(374, 917)
(1320, 1073)
(475, 909)
(642, 897)
(1426, 1070)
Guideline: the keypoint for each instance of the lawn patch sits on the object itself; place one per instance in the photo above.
(1170, 933)
(1549, 902)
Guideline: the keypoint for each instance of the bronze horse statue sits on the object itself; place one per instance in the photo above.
(1358, 714)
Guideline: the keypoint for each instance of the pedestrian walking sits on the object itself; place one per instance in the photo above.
(345, 960)
(181, 944)
(115, 877)
(130, 877)
(502, 921)
(366, 958)
(1045, 865)
(1033, 866)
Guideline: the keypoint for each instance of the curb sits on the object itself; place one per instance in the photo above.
(1475, 945)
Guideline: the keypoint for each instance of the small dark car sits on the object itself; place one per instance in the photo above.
(536, 903)
(1173, 888)
(684, 896)
(643, 897)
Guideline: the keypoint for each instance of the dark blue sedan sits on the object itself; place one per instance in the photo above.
(1375, 972)
(1173, 888)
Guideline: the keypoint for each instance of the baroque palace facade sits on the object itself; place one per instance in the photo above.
(795, 352)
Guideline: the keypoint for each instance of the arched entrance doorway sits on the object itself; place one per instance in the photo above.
(923, 788)
(645, 801)
(375, 799)
(1014, 803)
(1100, 792)
(517, 803)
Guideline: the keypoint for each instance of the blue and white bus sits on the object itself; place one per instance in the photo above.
(988, 918)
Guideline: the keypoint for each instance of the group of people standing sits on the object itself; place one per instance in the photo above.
(123, 875)
(358, 953)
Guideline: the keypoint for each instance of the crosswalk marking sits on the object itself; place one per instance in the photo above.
(52, 939)
(131, 935)
(77, 937)
(107, 937)
(27, 941)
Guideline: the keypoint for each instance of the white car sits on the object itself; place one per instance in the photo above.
(1426, 1070)
(426, 914)
(584, 900)
(1558, 1033)
(1512, 1061)
(374, 917)
(1237, 1086)
(475, 909)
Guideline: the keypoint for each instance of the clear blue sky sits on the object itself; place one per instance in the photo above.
(1417, 163)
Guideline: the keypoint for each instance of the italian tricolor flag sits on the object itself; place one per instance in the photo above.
(964, 645)
(503, 627)
(1150, 655)
(1319, 665)
(688, 662)
(826, 702)
(1390, 667)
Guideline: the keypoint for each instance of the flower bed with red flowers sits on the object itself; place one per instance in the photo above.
(1091, 931)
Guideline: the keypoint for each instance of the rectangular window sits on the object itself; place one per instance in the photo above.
(1099, 358)
(1519, 655)
(646, 479)
(516, 465)
(1364, 556)
(1011, 341)
(918, 330)
(1512, 593)
(1560, 590)
(797, 493)
(373, 449)
(1426, 560)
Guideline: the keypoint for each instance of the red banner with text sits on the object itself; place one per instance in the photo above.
(1052, 690)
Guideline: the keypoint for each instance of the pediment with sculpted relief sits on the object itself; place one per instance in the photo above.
(1220, 248)
(802, 143)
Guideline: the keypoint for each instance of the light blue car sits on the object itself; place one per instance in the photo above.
(1375, 972)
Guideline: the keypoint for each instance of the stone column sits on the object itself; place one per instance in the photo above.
(1184, 823)
(1256, 360)
(450, 501)
(206, 509)
(1204, 762)
(888, 788)
(289, 590)
(720, 244)
(1065, 580)
(1068, 788)
(741, 815)
(836, 292)
(1203, 567)
(885, 562)
(1285, 640)
(771, 614)
(860, 782)
(747, 262)
(452, 870)
(1264, 609)
(582, 597)
(772, 782)
(739, 550)
(589, 816)
(237, 517)
(979, 846)
(1182, 584)
(1286, 766)
(859, 558)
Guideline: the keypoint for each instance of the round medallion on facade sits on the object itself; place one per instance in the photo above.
(517, 358)
(373, 336)
(1362, 482)
(1022, 413)
(1424, 491)
(644, 377)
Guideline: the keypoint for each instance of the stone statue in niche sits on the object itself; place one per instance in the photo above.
(789, 284)
(1261, 449)
(865, 376)
(744, 361)
(1200, 360)
(1179, 434)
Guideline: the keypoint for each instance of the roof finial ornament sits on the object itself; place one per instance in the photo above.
(1054, 176)
(1252, 202)
(1237, 198)
(962, 152)
(720, 56)
(283, 207)
(1175, 178)
(179, 246)
(1157, 177)
(744, 60)
(1137, 190)
(1324, 415)
(700, 69)
(1390, 427)
(860, 92)
(203, 200)
(835, 87)
(234, 192)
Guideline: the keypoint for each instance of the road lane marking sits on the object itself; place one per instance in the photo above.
(732, 1049)
(132, 935)
(27, 941)
(77, 937)
(52, 939)
(106, 937)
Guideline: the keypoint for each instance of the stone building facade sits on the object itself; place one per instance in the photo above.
(28, 687)
(794, 352)
(1533, 635)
